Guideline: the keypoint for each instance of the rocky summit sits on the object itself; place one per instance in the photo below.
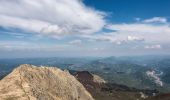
(28, 82)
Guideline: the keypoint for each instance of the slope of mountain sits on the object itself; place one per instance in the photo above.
(124, 73)
(142, 73)
(130, 71)
(101, 90)
(29, 82)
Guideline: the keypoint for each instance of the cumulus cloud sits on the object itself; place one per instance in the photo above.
(156, 20)
(157, 46)
(51, 17)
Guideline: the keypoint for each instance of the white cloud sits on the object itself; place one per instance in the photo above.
(108, 37)
(156, 20)
(151, 33)
(100, 37)
(134, 38)
(51, 17)
(21, 23)
(157, 46)
(142, 33)
(140, 28)
(113, 38)
(75, 42)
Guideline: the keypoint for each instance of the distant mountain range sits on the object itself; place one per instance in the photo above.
(28, 82)
(149, 73)
(142, 72)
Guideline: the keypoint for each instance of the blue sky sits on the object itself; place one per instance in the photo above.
(52, 28)
(126, 10)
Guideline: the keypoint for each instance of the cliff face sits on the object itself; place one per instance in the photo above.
(28, 82)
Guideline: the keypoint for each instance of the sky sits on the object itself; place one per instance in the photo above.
(77, 28)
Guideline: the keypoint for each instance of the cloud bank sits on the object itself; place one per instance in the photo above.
(51, 17)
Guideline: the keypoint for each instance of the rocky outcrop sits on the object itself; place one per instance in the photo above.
(98, 79)
(28, 82)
